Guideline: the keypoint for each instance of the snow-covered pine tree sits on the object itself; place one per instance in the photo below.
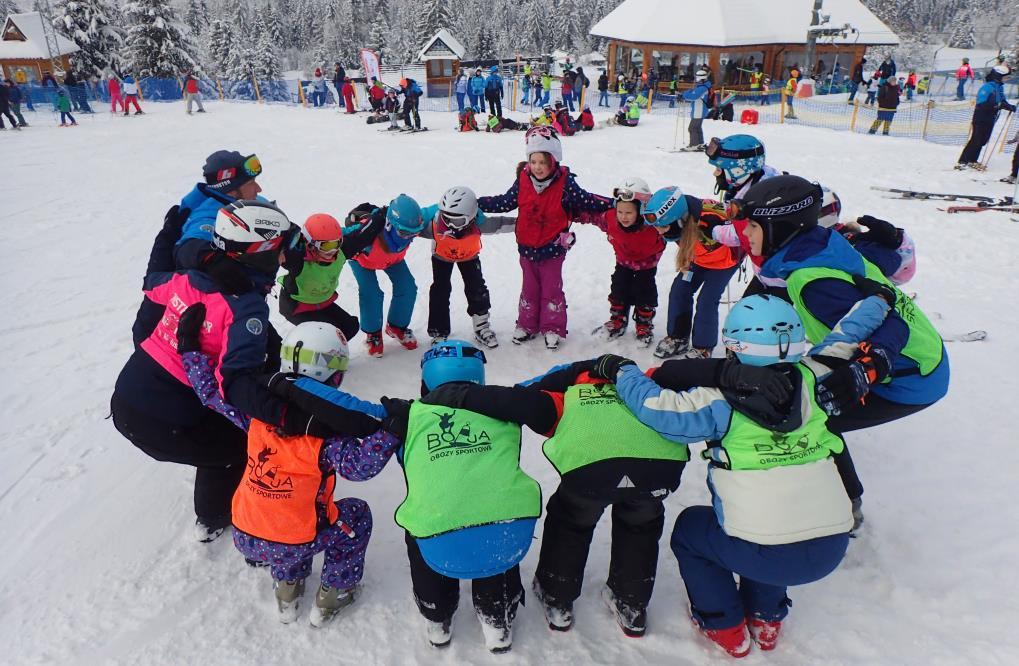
(343, 39)
(8, 7)
(274, 26)
(377, 34)
(962, 35)
(220, 42)
(156, 45)
(434, 14)
(536, 25)
(196, 16)
(93, 26)
(484, 46)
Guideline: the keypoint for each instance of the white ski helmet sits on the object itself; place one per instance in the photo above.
(252, 232)
(701, 75)
(316, 350)
(633, 189)
(458, 207)
(831, 208)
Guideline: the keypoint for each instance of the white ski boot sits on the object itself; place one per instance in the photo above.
(553, 340)
(329, 601)
(208, 530)
(498, 633)
(483, 333)
(520, 336)
(288, 599)
(669, 347)
(439, 633)
(632, 619)
(559, 617)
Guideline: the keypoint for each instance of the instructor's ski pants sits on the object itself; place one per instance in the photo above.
(696, 132)
(370, 297)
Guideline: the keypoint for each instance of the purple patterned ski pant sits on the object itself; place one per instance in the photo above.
(344, 555)
(542, 307)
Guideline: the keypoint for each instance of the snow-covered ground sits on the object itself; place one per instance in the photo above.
(97, 567)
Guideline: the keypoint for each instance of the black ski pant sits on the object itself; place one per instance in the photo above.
(437, 596)
(333, 314)
(978, 138)
(874, 412)
(494, 103)
(570, 520)
(478, 299)
(214, 446)
(1015, 162)
(410, 107)
(636, 288)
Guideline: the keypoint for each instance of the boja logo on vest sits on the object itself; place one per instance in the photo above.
(451, 440)
(264, 477)
(785, 449)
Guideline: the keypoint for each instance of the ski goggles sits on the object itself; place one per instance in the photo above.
(734, 209)
(252, 166)
(455, 222)
(300, 355)
(714, 150)
(627, 194)
(326, 245)
(447, 351)
(541, 130)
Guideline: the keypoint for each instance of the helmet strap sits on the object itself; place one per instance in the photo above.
(295, 358)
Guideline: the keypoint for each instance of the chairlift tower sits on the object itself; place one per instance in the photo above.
(50, 35)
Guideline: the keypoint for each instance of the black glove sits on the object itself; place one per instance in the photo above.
(607, 366)
(870, 287)
(189, 328)
(397, 416)
(297, 422)
(721, 184)
(880, 232)
(850, 382)
(769, 382)
(228, 275)
(174, 220)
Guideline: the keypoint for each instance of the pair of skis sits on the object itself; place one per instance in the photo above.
(981, 203)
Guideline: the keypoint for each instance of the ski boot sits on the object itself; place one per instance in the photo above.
(632, 619)
(520, 336)
(857, 504)
(559, 616)
(288, 598)
(498, 633)
(437, 337)
(374, 343)
(329, 601)
(644, 318)
(404, 336)
(439, 633)
(669, 347)
(483, 333)
(764, 633)
(553, 340)
(734, 640)
(697, 352)
(619, 319)
(1008, 179)
(207, 530)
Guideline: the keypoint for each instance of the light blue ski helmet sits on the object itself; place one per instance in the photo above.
(452, 361)
(739, 157)
(494, 69)
(667, 205)
(762, 330)
(404, 214)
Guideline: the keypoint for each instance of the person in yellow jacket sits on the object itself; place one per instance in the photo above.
(790, 91)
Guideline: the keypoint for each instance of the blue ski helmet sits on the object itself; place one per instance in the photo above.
(452, 361)
(404, 215)
(667, 206)
(762, 330)
(739, 157)
(494, 69)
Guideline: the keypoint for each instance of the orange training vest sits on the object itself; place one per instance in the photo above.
(453, 249)
(282, 488)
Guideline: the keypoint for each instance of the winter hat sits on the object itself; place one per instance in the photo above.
(318, 71)
(226, 170)
(544, 140)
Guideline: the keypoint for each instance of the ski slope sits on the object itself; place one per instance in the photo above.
(97, 566)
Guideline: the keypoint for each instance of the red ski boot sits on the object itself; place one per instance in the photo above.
(404, 336)
(733, 640)
(764, 633)
(619, 317)
(374, 342)
(644, 317)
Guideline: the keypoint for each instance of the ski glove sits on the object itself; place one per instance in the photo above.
(228, 275)
(397, 416)
(880, 232)
(773, 384)
(174, 220)
(607, 366)
(850, 382)
(189, 328)
(567, 239)
(870, 287)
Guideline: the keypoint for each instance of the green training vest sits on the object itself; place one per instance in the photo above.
(596, 426)
(317, 282)
(749, 445)
(462, 470)
(634, 112)
(924, 344)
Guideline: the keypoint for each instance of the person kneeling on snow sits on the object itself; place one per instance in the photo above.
(629, 115)
(586, 119)
(780, 515)
(283, 510)
(468, 122)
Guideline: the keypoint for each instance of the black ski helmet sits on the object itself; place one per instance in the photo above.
(784, 206)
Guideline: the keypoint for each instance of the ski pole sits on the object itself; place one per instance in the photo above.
(990, 147)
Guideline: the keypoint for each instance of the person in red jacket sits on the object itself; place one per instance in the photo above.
(586, 119)
(192, 93)
(638, 248)
(115, 95)
(546, 196)
(962, 75)
(376, 93)
(348, 94)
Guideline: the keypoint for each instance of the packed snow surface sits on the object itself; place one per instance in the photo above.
(98, 567)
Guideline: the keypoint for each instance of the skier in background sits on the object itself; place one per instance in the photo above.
(990, 100)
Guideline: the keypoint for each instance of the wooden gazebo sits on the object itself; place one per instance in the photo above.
(442, 55)
(732, 36)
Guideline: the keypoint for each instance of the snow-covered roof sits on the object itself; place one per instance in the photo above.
(736, 22)
(23, 38)
(442, 46)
